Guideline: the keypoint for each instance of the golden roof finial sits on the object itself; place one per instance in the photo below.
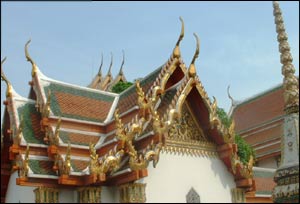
(8, 84)
(100, 68)
(34, 67)
(176, 52)
(111, 63)
(67, 163)
(123, 61)
(57, 130)
(192, 68)
(290, 82)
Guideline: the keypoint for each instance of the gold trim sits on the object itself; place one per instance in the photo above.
(66, 167)
(192, 68)
(46, 195)
(46, 108)
(192, 141)
(20, 130)
(89, 194)
(176, 52)
(55, 140)
(122, 64)
(8, 84)
(100, 68)
(34, 66)
(132, 193)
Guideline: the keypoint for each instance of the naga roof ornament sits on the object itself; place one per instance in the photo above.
(192, 68)
(176, 52)
(111, 63)
(8, 84)
(100, 68)
(34, 66)
(121, 69)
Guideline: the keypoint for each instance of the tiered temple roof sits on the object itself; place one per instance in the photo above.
(107, 83)
(68, 135)
(259, 120)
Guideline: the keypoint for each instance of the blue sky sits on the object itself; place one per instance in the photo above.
(238, 43)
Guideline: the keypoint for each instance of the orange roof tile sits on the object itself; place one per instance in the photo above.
(82, 106)
(79, 165)
(258, 110)
(77, 138)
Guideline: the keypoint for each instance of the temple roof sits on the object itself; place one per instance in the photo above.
(259, 109)
(77, 102)
(81, 136)
(259, 120)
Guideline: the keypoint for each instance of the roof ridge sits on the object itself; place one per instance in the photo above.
(48, 79)
(258, 95)
(143, 79)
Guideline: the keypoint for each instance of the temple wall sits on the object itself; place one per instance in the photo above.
(16, 193)
(67, 196)
(175, 175)
(268, 163)
(109, 194)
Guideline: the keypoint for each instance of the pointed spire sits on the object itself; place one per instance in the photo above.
(290, 82)
(100, 68)
(234, 103)
(230, 97)
(111, 63)
(121, 69)
(176, 52)
(8, 84)
(192, 68)
(34, 67)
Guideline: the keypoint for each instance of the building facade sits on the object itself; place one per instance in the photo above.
(67, 143)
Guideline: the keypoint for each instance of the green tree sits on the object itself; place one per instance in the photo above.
(120, 86)
(244, 149)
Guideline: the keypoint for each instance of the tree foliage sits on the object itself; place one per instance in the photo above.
(244, 149)
(120, 86)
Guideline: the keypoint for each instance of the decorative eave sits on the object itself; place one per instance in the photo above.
(175, 61)
(130, 146)
(12, 102)
(43, 99)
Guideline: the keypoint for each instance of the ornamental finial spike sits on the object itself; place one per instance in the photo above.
(192, 68)
(290, 82)
(8, 84)
(176, 52)
(229, 96)
(123, 61)
(111, 63)
(34, 67)
(100, 68)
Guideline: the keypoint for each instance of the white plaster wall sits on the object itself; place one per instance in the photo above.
(67, 196)
(175, 175)
(268, 163)
(109, 194)
(16, 193)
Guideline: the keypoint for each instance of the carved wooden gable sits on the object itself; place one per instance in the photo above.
(186, 136)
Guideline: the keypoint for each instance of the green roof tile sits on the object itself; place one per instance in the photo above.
(92, 95)
(42, 167)
(28, 111)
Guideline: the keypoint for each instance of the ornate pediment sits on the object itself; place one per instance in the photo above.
(186, 136)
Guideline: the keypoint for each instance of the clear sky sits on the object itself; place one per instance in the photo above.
(238, 44)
